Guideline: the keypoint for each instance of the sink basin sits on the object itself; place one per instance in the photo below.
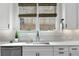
(40, 43)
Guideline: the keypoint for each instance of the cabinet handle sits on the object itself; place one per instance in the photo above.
(61, 48)
(70, 54)
(8, 26)
(66, 26)
(37, 54)
(61, 52)
(74, 48)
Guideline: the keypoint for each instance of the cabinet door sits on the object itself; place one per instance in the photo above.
(0, 51)
(15, 51)
(5, 52)
(70, 15)
(78, 14)
(60, 51)
(10, 51)
(29, 51)
(74, 51)
(45, 51)
(4, 15)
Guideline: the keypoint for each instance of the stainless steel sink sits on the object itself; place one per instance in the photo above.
(40, 42)
(25, 43)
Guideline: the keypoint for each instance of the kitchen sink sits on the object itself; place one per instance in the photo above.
(25, 43)
(40, 42)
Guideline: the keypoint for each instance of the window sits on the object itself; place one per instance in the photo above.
(37, 16)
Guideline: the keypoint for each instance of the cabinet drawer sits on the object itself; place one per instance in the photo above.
(45, 48)
(74, 53)
(56, 53)
(29, 53)
(74, 48)
(29, 48)
(46, 53)
(60, 48)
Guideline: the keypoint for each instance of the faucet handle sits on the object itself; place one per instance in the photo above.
(38, 33)
(61, 20)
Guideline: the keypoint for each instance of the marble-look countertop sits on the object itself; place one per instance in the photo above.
(37, 44)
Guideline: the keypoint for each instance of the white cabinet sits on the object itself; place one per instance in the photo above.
(70, 15)
(74, 50)
(37, 51)
(29, 51)
(60, 51)
(78, 14)
(4, 15)
(45, 51)
(0, 51)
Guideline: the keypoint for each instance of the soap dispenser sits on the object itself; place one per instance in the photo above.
(16, 36)
(61, 24)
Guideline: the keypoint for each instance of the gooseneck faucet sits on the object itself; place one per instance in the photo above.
(62, 24)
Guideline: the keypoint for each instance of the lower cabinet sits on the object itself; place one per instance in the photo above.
(37, 51)
(66, 50)
(61, 51)
(74, 51)
(28, 51)
(45, 51)
(11, 51)
(51, 51)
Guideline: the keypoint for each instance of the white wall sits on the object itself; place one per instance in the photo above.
(7, 35)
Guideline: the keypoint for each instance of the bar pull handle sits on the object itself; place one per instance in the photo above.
(8, 26)
(70, 54)
(36, 54)
(66, 26)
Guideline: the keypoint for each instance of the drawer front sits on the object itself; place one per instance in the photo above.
(44, 48)
(46, 53)
(74, 53)
(74, 48)
(29, 53)
(56, 53)
(29, 48)
(60, 48)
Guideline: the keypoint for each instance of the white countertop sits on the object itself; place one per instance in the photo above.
(31, 44)
(23, 44)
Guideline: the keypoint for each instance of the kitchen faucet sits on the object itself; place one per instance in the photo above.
(62, 24)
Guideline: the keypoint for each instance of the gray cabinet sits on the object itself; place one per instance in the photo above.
(37, 51)
(11, 51)
(5, 14)
(61, 51)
